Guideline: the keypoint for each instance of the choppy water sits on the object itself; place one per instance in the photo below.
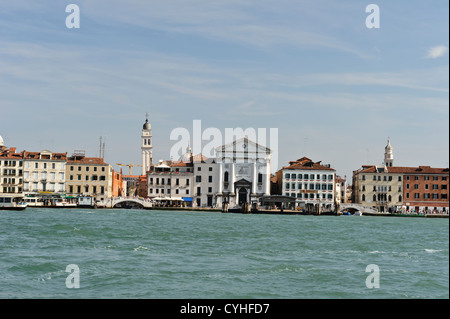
(165, 254)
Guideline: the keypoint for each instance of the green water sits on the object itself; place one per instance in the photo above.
(166, 254)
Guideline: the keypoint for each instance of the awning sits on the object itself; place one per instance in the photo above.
(187, 199)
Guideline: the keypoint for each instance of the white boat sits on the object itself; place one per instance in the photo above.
(34, 201)
(65, 203)
(357, 213)
(12, 202)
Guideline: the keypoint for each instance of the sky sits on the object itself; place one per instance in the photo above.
(334, 89)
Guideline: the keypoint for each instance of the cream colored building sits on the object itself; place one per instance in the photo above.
(88, 176)
(374, 186)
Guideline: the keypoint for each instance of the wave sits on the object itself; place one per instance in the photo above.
(431, 251)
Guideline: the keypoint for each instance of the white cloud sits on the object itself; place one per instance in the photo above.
(436, 52)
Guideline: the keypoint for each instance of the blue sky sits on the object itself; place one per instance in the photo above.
(335, 89)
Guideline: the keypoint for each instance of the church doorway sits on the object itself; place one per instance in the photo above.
(242, 196)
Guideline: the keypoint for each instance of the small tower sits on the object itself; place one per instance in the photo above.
(146, 146)
(388, 155)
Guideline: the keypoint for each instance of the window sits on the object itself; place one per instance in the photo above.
(225, 177)
(306, 176)
(177, 181)
(390, 178)
(427, 186)
(79, 168)
(287, 185)
(443, 186)
(210, 169)
(390, 198)
(416, 195)
(407, 178)
(151, 180)
(426, 196)
(287, 175)
(435, 186)
(87, 177)
(399, 198)
(444, 178)
(374, 178)
(199, 191)
(374, 198)
(95, 168)
(86, 188)
(324, 176)
(198, 178)
(103, 169)
(399, 178)
(416, 178)
(416, 186)
(79, 177)
(87, 168)
(443, 196)
(363, 177)
(36, 165)
(435, 196)
(317, 186)
(407, 186)
(210, 179)
(187, 182)
(384, 178)
(292, 176)
(407, 195)
(364, 188)
(209, 189)
(299, 176)
(379, 178)
(103, 178)
(427, 178)
(330, 187)
(363, 198)
(435, 178)
(311, 186)
(199, 169)
(330, 177)
(318, 176)
(187, 191)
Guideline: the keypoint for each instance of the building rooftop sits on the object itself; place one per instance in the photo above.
(405, 170)
(305, 163)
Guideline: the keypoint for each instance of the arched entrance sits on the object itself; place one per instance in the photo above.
(242, 196)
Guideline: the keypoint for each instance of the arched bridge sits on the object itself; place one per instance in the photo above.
(117, 202)
(353, 206)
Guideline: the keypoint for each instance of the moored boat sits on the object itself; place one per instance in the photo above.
(12, 202)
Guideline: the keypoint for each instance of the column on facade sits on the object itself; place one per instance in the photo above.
(220, 179)
(267, 184)
(232, 176)
(254, 178)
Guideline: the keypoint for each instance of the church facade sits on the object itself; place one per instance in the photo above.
(243, 172)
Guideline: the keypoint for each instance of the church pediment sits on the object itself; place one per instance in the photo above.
(243, 145)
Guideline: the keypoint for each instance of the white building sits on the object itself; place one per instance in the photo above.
(311, 183)
(243, 172)
(171, 183)
(44, 172)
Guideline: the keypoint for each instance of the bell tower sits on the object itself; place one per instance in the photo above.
(388, 154)
(146, 146)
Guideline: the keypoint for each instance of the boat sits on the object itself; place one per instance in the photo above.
(64, 203)
(12, 202)
(34, 201)
(86, 202)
